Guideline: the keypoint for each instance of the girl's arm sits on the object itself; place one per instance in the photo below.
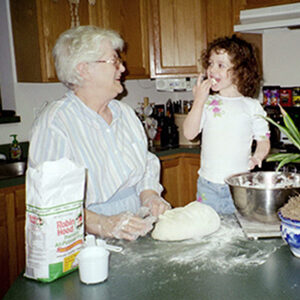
(261, 151)
(191, 124)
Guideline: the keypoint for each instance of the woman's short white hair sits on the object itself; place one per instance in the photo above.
(80, 44)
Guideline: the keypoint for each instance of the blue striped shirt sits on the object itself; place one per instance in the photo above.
(115, 155)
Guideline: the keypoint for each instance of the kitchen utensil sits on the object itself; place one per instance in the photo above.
(93, 264)
(259, 195)
(90, 241)
(102, 243)
(148, 110)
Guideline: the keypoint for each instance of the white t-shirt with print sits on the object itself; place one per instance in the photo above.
(229, 125)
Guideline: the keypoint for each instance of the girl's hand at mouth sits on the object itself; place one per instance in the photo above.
(201, 89)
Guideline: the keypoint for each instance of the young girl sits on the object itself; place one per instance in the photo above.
(229, 119)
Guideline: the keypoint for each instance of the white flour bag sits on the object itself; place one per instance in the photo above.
(54, 226)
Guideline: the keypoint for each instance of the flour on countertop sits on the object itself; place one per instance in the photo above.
(226, 250)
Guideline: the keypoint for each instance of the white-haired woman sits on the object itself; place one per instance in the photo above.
(104, 135)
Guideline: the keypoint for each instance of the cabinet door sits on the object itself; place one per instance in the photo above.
(176, 37)
(129, 18)
(20, 227)
(38, 23)
(54, 17)
(12, 234)
(191, 166)
(36, 26)
(179, 178)
(170, 180)
(219, 18)
(4, 254)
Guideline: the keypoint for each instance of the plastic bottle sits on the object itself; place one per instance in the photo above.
(15, 148)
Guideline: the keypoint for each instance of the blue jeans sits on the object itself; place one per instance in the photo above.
(215, 195)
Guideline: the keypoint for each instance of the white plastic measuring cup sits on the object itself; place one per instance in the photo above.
(93, 264)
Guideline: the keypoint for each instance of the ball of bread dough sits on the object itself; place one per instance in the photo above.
(191, 221)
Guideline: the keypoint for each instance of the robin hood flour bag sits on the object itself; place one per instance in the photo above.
(54, 226)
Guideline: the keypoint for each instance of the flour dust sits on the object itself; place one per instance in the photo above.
(224, 251)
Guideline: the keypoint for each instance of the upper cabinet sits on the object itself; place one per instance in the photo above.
(180, 29)
(163, 38)
(219, 19)
(38, 23)
(129, 18)
(36, 26)
(176, 37)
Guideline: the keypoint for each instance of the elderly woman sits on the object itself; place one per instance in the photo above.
(104, 135)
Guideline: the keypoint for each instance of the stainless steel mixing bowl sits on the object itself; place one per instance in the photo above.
(259, 195)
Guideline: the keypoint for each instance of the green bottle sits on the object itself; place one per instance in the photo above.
(15, 148)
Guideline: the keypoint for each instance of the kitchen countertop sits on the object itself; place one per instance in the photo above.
(12, 181)
(181, 149)
(148, 269)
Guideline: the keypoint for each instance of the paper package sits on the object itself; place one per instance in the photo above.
(54, 226)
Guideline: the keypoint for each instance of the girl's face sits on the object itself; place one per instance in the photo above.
(219, 71)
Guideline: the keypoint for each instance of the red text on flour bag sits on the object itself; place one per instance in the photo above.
(65, 227)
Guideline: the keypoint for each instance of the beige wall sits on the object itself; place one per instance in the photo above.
(30, 97)
(281, 58)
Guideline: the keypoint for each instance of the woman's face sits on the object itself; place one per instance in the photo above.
(106, 72)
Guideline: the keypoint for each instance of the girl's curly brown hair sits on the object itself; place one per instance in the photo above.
(245, 71)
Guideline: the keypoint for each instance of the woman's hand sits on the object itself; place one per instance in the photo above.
(156, 204)
(128, 226)
(122, 226)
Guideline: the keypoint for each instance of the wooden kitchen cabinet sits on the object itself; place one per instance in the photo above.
(164, 38)
(176, 37)
(37, 24)
(219, 19)
(129, 18)
(180, 29)
(12, 235)
(179, 177)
